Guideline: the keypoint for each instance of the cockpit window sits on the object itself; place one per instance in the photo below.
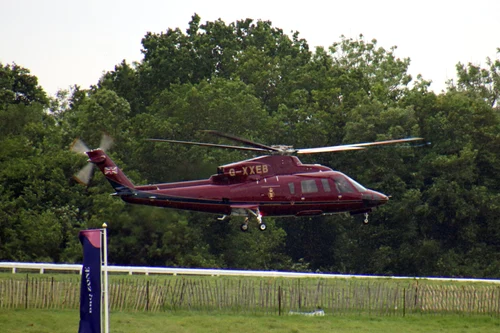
(343, 186)
(347, 185)
(357, 185)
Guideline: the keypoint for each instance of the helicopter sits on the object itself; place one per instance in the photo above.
(275, 184)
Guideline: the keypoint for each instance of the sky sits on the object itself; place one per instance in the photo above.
(64, 42)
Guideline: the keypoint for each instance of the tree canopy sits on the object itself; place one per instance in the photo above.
(250, 79)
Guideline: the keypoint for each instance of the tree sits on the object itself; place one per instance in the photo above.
(17, 86)
(248, 78)
(480, 82)
(124, 81)
(97, 112)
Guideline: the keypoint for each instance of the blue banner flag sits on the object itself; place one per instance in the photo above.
(90, 290)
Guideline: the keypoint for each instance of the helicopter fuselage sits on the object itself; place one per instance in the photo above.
(290, 195)
(262, 186)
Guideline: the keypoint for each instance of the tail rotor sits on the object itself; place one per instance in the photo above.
(78, 146)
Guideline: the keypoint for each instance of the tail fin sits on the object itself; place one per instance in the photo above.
(113, 174)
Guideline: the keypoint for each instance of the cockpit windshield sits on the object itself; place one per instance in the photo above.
(345, 184)
(357, 185)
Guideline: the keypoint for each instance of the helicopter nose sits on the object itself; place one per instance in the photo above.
(373, 198)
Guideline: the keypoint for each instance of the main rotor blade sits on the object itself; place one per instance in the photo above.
(355, 146)
(326, 149)
(245, 141)
(209, 145)
(78, 146)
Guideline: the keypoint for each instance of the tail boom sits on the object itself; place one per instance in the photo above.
(113, 174)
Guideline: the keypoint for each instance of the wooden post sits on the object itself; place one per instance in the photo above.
(279, 300)
(404, 302)
(52, 292)
(26, 292)
(147, 295)
(300, 300)
(415, 302)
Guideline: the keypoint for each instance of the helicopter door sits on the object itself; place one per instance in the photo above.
(308, 188)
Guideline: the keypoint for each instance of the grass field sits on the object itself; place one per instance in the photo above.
(63, 321)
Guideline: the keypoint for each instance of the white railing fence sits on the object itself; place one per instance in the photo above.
(14, 267)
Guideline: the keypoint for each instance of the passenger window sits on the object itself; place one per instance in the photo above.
(309, 186)
(326, 185)
(291, 186)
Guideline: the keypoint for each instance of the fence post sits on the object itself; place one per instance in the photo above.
(404, 301)
(52, 292)
(26, 292)
(279, 300)
(300, 300)
(147, 295)
(415, 303)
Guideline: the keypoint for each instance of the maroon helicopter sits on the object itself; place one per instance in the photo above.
(276, 184)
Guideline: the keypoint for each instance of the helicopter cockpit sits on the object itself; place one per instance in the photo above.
(346, 184)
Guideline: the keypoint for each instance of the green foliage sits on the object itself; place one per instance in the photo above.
(249, 79)
(480, 82)
(98, 112)
(153, 236)
(17, 86)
